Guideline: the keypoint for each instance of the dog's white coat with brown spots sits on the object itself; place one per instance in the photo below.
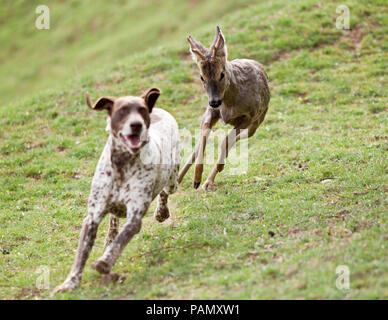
(140, 161)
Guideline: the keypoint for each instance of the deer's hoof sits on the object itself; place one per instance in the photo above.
(196, 185)
(208, 186)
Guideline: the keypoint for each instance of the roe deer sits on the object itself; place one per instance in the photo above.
(238, 94)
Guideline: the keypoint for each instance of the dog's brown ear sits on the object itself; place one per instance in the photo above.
(103, 103)
(150, 97)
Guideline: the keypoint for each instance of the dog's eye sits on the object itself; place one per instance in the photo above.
(222, 75)
(202, 79)
(123, 111)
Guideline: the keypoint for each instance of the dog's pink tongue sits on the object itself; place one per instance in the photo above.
(134, 139)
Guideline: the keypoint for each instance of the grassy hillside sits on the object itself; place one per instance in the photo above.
(85, 34)
(317, 173)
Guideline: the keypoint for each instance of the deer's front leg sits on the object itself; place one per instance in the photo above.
(198, 170)
(209, 119)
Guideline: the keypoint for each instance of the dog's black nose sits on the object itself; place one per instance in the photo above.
(136, 126)
(215, 103)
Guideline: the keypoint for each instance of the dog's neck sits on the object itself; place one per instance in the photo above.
(120, 155)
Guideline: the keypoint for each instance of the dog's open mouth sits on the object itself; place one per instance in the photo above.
(132, 141)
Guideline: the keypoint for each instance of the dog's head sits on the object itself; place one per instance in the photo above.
(129, 117)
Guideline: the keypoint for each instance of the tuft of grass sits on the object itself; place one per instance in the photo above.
(315, 194)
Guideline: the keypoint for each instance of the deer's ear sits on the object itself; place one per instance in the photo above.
(197, 49)
(103, 103)
(150, 98)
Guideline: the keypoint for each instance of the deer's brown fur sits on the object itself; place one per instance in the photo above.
(238, 94)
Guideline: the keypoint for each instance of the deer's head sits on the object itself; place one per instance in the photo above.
(211, 63)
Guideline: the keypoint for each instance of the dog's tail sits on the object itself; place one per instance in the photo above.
(88, 100)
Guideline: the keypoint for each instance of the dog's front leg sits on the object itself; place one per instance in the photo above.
(96, 211)
(105, 263)
(86, 241)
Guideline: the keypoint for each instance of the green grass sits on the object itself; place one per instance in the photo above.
(85, 34)
(317, 173)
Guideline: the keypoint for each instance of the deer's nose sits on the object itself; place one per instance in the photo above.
(136, 126)
(215, 103)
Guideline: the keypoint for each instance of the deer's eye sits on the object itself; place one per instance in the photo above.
(222, 75)
(202, 79)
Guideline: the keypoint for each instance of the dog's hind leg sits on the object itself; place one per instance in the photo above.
(162, 212)
(113, 229)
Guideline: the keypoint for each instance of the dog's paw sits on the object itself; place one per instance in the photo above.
(68, 285)
(111, 277)
(101, 267)
(209, 186)
(161, 214)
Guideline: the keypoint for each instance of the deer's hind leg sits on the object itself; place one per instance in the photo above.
(229, 141)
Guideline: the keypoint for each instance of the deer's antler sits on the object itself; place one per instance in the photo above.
(216, 45)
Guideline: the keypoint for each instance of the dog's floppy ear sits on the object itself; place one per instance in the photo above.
(103, 103)
(150, 97)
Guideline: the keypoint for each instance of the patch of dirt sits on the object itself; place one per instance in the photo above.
(355, 36)
(300, 94)
(281, 55)
(28, 293)
(295, 231)
(378, 137)
(185, 55)
(118, 79)
(193, 3)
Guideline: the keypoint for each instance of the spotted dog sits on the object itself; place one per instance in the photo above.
(140, 161)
